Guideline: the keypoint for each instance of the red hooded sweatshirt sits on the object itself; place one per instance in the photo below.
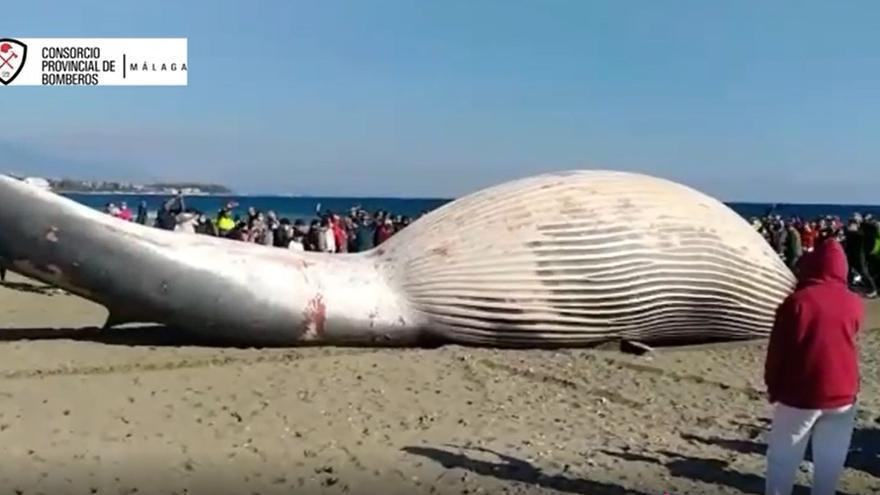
(812, 358)
(340, 235)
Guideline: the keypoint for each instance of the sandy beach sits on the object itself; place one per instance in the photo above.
(143, 411)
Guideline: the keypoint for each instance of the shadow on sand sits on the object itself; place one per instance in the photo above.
(864, 450)
(153, 335)
(147, 336)
(705, 470)
(513, 469)
(43, 290)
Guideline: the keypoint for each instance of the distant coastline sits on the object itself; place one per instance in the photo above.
(137, 193)
(76, 186)
(105, 187)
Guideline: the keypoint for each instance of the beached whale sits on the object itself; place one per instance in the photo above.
(565, 259)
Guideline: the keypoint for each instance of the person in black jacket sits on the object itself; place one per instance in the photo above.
(283, 234)
(166, 219)
(871, 229)
(857, 250)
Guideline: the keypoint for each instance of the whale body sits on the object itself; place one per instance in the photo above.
(567, 259)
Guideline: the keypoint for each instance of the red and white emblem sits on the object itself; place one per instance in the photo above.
(12, 57)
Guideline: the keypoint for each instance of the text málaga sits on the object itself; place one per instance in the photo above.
(147, 67)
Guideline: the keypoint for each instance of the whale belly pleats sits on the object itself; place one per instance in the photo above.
(582, 258)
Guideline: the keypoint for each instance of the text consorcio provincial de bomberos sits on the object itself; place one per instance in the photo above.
(87, 52)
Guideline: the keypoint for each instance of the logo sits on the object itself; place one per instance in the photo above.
(12, 57)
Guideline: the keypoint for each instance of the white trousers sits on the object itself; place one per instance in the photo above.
(831, 431)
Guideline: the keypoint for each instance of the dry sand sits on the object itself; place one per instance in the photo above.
(142, 411)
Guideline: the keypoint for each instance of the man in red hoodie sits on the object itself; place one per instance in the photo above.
(812, 373)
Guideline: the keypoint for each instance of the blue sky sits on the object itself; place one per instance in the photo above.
(746, 100)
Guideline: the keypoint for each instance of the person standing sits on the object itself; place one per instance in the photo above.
(857, 255)
(871, 229)
(340, 236)
(186, 222)
(142, 213)
(166, 218)
(812, 373)
(124, 212)
(225, 221)
(364, 235)
(328, 242)
(808, 237)
(315, 240)
(297, 241)
(793, 248)
(283, 234)
(271, 229)
(384, 231)
(778, 233)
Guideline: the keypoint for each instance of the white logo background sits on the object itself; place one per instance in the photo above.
(121, 62)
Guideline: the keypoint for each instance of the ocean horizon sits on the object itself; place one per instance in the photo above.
(307, 207)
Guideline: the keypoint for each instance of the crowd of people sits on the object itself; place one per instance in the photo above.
(859, 236)
(356, 231)
(359, 231)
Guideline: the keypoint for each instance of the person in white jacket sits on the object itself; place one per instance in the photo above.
(296, 243)
(186, 222)
(329, 235)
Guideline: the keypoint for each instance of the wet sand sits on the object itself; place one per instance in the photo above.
(145, 411)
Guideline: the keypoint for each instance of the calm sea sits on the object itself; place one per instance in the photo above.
(306, 207)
